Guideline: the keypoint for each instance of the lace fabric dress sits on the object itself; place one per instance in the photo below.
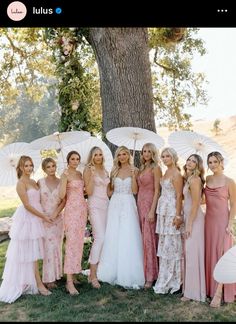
(52, 263)
(148, 229)
(26, 246)
(170, 247)
(121, 260)
(75, 218)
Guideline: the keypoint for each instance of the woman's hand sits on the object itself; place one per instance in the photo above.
(177, 221)
(66, 173)
(92, 169)
(48, 219)
(151, 216)
(188, 230)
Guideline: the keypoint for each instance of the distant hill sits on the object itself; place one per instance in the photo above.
(226, 138)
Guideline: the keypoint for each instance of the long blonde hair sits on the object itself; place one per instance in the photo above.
(90, 159)
(154, 159)
(116, 163)
(21, 163)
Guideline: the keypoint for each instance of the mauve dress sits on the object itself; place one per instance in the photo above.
(194, 284)
(148, 229)
(75, 218)
(217, 241)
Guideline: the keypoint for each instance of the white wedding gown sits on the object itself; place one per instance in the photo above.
(121, 259)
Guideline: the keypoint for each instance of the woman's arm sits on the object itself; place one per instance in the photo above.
(157, 176)
(88, 176)
(110, 189)
(232, 202)
(178, 185)
(134, 185)
(22, 193)
(63, 183)
(59, 208)
(195, 191)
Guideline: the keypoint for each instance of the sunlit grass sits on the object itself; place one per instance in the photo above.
(110, 303)
(8, 206)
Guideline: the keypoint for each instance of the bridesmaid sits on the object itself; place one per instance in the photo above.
(148, 194)
(52, 205)
(21, 272)
(194, 286)
(220, 195)
(96, 180)
(75, 218)
(169, 220)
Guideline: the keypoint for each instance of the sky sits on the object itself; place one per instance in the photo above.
(219, 65)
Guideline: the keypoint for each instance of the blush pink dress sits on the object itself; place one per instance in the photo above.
(75, 218)
(194, 284)
(52, 263)
(98, 205)
(216, 238)
(144, 202)
(26, 246)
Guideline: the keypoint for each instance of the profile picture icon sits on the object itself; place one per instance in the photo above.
(16, 10)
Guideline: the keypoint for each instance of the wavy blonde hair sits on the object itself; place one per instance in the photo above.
(90, 160)
(173, 155)
(46, 161)
(155, 160)
(198, 171)
(116, 163)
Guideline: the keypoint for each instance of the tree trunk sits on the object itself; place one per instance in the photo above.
(122, 56)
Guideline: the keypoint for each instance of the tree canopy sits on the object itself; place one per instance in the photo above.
(51, 77)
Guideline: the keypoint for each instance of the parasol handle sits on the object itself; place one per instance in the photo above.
(60, 144)
(135, 139)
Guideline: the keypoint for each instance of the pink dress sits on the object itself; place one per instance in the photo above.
(25, 247)
(194, 285)
(216, 238)
(52, 263)
(98, 204)
(75, 218)
(144, 203)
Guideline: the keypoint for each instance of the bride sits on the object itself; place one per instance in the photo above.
(121, 260)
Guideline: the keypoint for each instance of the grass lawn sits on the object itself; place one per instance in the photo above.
(8, 206)
(110, 303)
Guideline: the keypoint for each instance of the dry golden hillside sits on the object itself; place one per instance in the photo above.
(226, 138)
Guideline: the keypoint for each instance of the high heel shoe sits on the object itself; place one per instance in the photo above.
(148, 284)
(44, 291)
(70, 288)
(216, 301)
(94, 282)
